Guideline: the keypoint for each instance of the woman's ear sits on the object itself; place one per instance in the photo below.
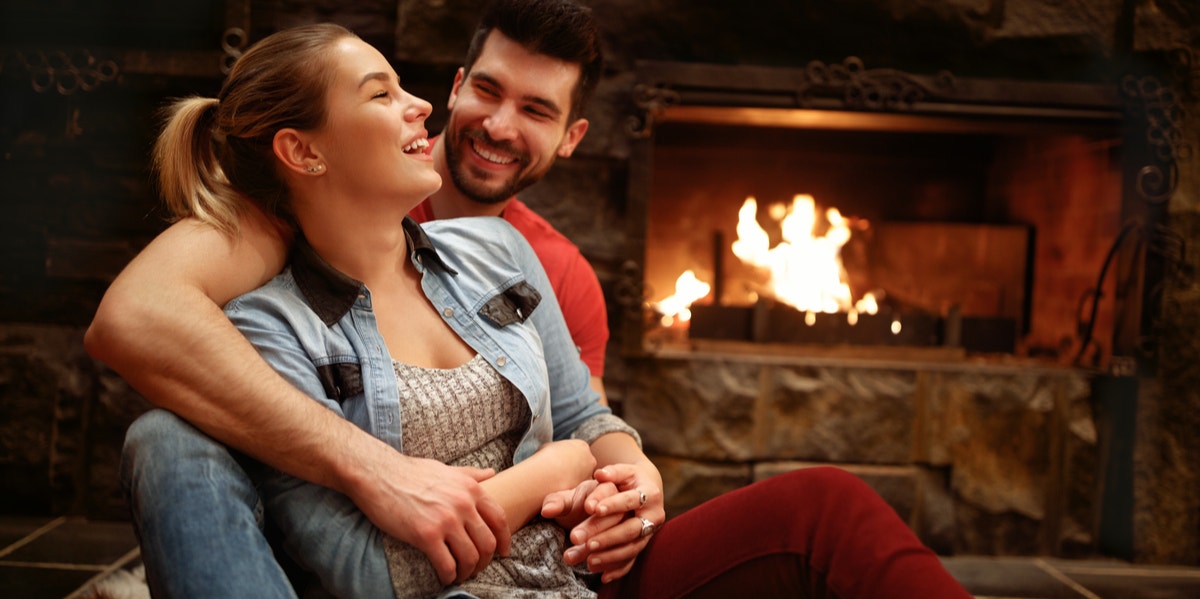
(296, 154)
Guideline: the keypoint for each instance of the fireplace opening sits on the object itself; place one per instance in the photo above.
(966, 235)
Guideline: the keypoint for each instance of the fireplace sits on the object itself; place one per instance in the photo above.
(976, 215)
(986, 220)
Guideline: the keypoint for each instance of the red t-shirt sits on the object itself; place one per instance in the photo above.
(572, 278)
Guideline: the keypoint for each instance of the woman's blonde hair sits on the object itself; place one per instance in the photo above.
(215, 153)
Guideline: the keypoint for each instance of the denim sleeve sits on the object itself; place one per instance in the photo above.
(322, 529)
(572, 399)
(271, 319)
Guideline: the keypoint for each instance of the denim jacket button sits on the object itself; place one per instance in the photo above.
(501, 361)
(447, 312)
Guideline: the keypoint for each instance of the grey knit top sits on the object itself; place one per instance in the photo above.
(472, 416)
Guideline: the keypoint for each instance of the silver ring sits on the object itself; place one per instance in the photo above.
(647, 527)
(641, 499)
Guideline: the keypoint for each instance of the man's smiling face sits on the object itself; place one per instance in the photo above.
(509, 120)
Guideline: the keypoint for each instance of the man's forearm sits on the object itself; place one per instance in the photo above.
(620, 448)
(160, 326)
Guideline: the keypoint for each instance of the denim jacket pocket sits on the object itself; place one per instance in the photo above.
(514, 304)
(341, 380)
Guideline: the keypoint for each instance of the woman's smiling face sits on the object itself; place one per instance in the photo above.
(373, 140)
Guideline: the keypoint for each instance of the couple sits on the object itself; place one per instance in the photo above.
(445, 343)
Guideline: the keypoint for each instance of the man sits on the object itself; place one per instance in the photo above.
(503, 134)
(514, 111)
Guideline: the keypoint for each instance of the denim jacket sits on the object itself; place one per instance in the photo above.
(316, 327)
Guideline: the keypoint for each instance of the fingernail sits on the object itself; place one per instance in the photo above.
(604, 510)
(572, 554)
(578, 537)
(594, 545)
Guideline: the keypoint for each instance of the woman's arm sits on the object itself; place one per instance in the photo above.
(521, 489)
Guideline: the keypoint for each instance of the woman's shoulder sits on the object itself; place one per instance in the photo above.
(280, 293)
(478, 235)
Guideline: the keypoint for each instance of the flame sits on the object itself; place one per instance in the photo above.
(688, 289)
(805, 270)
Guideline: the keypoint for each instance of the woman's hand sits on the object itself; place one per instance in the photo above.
(567, 507)
(624, 499)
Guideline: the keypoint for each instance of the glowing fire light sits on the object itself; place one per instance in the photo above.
(688, 289)
(805, 270)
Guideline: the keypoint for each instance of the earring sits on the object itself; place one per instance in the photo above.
(316, 168)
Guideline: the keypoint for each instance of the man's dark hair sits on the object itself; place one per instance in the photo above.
(560, 29)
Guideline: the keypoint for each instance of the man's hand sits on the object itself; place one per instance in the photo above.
(610, 537)
(440, 510)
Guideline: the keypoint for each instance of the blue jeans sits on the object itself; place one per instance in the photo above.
(197, 514)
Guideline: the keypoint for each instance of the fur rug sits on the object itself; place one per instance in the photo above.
(121, 584)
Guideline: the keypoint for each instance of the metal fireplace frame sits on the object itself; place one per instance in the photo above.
(838, 96)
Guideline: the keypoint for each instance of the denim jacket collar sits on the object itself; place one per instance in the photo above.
(331, 292)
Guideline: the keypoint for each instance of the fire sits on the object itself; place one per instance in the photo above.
(688, 289)
(805, 269)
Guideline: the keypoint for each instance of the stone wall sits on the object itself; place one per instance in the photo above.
(977, 459)
(75, 188)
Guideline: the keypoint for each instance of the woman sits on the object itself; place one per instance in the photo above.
(438, 342)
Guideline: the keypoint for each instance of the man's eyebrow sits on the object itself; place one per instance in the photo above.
(548, 104)
(377, 76)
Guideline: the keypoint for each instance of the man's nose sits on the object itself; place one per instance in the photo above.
(502, 123)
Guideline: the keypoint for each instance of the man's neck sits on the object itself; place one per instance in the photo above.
(449, 201)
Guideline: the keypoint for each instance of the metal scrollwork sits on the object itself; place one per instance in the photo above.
(869, 89)
(233, 41)
(651, 101)
(1159, 105)
(66, 72)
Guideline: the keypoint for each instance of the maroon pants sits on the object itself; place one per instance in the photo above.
(817, 532)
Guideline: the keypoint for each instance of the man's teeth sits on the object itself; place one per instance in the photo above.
(490, 157)
(416, 146)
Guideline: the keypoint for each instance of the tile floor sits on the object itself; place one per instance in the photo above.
(53, 558)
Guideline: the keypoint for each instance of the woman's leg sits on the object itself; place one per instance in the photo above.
(818, 532)
(196, 513)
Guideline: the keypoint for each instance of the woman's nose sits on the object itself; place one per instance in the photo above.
(418, 109)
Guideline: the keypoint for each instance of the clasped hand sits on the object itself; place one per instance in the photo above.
(604, 517)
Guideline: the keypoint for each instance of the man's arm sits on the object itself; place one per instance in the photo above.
(160, 326)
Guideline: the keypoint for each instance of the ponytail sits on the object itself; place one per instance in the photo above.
(214, 156)
(189, 176)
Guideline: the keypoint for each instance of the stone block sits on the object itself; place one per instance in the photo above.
(688, 483)
(702, 409)
(998, 431)
(836, 414)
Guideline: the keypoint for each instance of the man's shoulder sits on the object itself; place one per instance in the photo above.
(537, 230)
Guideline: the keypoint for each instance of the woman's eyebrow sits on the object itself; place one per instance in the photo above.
(377, 76)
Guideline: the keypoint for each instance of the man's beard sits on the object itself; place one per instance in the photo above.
(469, 185)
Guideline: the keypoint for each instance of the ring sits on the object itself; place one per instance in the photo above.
(647, 527)
(641, 499)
